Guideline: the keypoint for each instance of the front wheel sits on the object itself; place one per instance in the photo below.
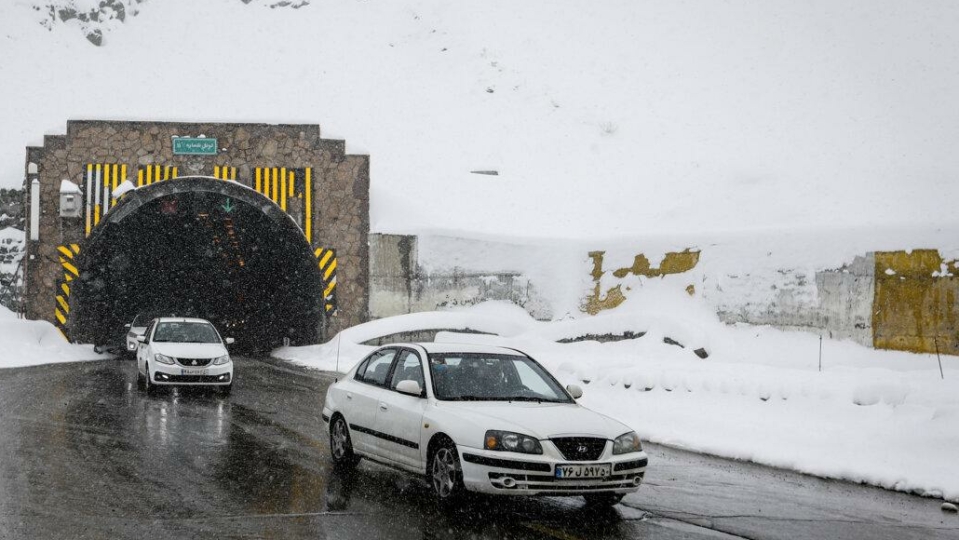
(603, 499)
(148, 386)
(341, 446)
(445, 473)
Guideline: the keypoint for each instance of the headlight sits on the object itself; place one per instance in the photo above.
(627, 443)
(225, 359)
(163, 359)
(507, 441)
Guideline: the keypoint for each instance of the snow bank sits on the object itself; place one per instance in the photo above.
(30, 343)
(880, 417)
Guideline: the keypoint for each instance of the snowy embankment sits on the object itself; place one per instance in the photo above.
(30, 343)
(880, 417)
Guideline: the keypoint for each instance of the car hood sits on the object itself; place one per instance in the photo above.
(190, 350)
(540, 420)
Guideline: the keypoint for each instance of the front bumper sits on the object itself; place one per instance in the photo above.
(505, 473)
(164, 374)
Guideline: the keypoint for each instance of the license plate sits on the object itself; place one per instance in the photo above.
(192, 371)
(575, 472)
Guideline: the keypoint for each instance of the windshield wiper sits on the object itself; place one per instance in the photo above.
(536, 399)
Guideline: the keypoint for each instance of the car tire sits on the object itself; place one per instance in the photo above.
(444, 473)
(226, 390)
(341, 446)
(603, 499)
(140, 378)
(147, 385)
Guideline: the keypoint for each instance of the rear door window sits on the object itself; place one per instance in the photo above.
(378, 367)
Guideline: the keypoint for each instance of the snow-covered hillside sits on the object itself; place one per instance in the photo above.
(614, 119)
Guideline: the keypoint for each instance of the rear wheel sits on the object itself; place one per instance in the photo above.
(603, 499)
(445, 473)
(341, 446)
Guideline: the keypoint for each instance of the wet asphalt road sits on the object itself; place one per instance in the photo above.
(84, 454)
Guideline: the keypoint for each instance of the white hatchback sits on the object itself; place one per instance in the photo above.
(183, 351)
(479, 418)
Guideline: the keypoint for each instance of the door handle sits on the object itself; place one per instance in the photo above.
(349, 395)
(382, 406)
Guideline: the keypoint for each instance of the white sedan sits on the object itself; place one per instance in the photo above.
(136, 329)
(182, 351)
(479, 418)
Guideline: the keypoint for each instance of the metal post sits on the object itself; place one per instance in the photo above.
(820, 353)
(941, 374)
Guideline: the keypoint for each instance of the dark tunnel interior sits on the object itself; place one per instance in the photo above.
(200, 254)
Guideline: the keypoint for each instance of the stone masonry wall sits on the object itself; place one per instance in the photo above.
(340, 190)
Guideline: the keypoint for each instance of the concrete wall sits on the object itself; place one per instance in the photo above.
(841, 307)
(399, 285)
(896, 300)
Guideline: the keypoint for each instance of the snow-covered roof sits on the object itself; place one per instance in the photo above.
(67, 186)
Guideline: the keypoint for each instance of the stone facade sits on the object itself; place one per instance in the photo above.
(340, 191)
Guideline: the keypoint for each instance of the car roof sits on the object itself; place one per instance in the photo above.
(434, 347)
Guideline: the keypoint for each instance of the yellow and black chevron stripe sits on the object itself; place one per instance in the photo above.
(98, 185)
(68, 255)
(150, 174)
(281, 185)
(224, 172)
(326, 260)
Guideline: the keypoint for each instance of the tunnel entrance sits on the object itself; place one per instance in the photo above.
(199, 247)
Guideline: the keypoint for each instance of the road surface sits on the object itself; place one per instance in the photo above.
(85, 454)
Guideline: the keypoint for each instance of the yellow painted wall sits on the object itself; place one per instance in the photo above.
(672, 263)
(916, 302)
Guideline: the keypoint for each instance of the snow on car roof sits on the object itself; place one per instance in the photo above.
(182, 319)
(433, 347)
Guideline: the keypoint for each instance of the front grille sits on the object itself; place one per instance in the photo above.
(193, 362)
(580, 448)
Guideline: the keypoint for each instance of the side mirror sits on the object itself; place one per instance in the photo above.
(574, 391)
(142, 339)
(230, 341)
(127, 325)
(409, 387)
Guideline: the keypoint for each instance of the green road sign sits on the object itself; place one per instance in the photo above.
(194, 146)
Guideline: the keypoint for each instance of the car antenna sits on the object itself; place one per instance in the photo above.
(339, 338)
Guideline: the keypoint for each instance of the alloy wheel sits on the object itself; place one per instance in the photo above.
(444, 472)
(340, 439)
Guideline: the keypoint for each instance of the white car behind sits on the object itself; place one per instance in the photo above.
(185, 352)
(482, 419)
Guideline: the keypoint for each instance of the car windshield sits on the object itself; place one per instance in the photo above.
(492, 377)
(186, 332)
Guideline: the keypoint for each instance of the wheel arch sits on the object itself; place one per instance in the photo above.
(435, 441)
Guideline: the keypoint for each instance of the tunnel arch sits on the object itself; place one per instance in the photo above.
(203, 247)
